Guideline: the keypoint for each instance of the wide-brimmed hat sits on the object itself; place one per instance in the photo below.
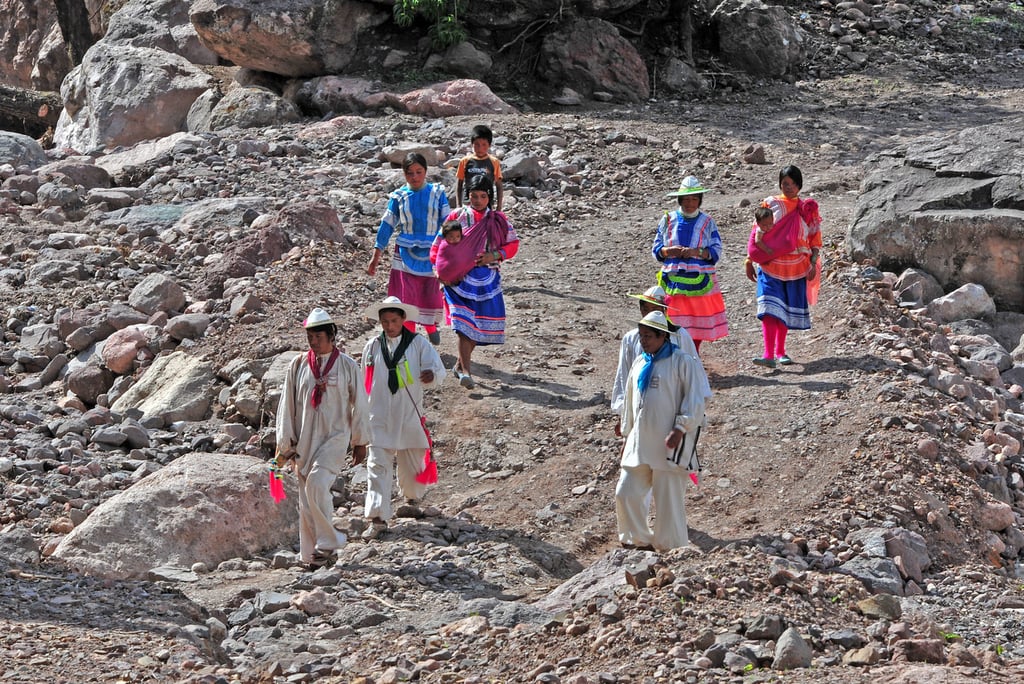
(656, 320)
(652, 295)
(317, 317)
(373, 311)
(689, 186)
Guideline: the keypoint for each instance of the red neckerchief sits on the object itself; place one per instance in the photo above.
(320, 377)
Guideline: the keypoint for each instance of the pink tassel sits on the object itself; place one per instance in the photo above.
(693, 478)
(276, 486)
(368, 379)
(429, 474)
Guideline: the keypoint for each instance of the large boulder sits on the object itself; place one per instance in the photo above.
(202, 508)
(20, 150)
(502, 14)
(161, 24)
(175, 387)
(451, 98)
(952, 205)
(121, 95)
(251, 108)
(287, 37)
(760, 39)
(590, 56)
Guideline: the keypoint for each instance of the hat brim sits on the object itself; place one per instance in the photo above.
(649, 300)
(652, 326)
(317, 324)
(682, 193)
(373, 311)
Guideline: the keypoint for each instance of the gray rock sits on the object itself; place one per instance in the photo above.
(175, 387)
(208, 508)
(792, 651)
(157, 292)
(20, 150)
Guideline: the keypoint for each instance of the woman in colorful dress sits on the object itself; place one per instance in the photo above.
(787, 284)
(415, 211)
(688, 246)
(475, 306)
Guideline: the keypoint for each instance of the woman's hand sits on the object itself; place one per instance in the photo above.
(485, 259)
(751, 271)
(814, 266)
(371, 268)
(674, 438)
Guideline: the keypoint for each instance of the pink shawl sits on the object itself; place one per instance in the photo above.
(455, 261)
(784, 236)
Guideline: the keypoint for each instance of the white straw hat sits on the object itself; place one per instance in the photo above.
(373, 311)
(656, 320)
(652, 295)
(316, 318)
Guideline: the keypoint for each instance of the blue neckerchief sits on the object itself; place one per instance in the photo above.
(644, 378)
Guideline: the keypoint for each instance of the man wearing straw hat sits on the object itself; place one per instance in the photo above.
(653, 299)
(662, 405)
(397, 365)
(321, 412)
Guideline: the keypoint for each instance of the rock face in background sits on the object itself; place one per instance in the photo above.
(203, 508)
(593, 57)
(952, 206)
(760, 40)
(287, 37)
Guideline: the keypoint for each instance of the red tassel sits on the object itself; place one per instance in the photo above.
(429, 473)
(276, 486)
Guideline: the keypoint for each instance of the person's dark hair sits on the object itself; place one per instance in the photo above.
(330, 328)
(392, 309)
(414, 158)
(762, 213)
(482, 131)
(449, 226)
(700, 199)
(792, 173)
(481, 182)
(661, 333)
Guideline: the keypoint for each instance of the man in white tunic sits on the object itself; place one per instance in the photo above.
(397, 364)
(663, 402)
(653, 299)
(322, 411)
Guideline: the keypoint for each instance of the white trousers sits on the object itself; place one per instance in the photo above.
(380, 477)
(316, 508)
(632, 505)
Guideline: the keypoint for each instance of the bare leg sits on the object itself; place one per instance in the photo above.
(466, 347)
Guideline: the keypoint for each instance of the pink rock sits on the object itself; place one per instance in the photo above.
(120, 349)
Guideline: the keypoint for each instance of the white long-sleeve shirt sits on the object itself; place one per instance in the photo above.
(673, 400)
(340, 419)
(394, 420)
(630, 349)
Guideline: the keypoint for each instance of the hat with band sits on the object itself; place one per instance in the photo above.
(689, 186)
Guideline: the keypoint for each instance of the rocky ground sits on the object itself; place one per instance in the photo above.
(511, 571)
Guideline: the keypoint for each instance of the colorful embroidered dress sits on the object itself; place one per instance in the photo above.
(416, 215)
(782, 287)
(694, 299)
(475, 306)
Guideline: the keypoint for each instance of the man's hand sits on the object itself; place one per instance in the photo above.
(674, 438)
(358, 454)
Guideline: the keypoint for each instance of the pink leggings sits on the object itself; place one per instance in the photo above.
(774, 332)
